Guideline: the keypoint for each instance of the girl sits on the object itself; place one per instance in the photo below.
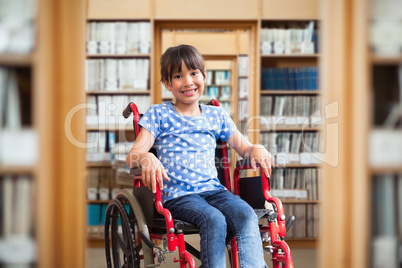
(185, 135)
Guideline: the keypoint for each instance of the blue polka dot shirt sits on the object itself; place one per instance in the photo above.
(186, 146)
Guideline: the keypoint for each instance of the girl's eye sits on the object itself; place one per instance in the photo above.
(194, 73)
(177, 76)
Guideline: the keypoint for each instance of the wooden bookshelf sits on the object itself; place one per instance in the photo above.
(56, 71)
(16, 60)
(289, 92)
(120, 92)
(240, 18)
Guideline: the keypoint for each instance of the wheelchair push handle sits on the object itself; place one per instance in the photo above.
(127, 112)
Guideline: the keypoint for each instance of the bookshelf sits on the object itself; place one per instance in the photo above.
(118, 64)
(38, 180)
(228, 36)
(289, 98)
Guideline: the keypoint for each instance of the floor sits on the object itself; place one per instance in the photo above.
(301, 257)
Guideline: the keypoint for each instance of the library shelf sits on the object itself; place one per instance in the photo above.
(380, 59)
(127, 127)
(303, 243)
(290, 92)
(95, 242)
(97, 165)
(17, 60)
(119, 92)
(291, 128)
(290, 55)
(297, 166)
(123, 56)
(98, 201)
(385, 170)
(16, 170)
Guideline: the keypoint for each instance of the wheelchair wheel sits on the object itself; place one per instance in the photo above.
(127, 250)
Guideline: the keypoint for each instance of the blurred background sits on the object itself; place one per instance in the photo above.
(317, 82)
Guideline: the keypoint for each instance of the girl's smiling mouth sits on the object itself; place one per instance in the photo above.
(189, 92)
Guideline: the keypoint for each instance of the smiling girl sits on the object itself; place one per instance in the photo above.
(185, 135)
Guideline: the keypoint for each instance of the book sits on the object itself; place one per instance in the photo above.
(93, 219)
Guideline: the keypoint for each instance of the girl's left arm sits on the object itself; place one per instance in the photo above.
(256, 152)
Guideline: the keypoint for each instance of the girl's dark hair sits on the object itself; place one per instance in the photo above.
(172, 58)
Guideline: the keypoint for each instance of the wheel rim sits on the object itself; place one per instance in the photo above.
(123, 251)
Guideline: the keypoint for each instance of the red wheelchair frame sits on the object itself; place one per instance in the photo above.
(174, 237)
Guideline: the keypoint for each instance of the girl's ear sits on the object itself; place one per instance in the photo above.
(167, 85)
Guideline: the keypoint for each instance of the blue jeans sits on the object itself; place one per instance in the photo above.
(213, 212)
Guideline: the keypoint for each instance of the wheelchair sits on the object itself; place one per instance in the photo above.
(136, 218)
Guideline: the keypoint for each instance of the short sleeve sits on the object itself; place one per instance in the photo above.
(151, 121)
(228, 127)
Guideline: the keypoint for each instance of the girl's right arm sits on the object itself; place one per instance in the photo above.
(139, 156)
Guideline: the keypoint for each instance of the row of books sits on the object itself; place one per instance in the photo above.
(106, 110)
(296, 183)
(306, 224)
(218, 77)
(222, 93)
(99, 146)
(18, 140)
(17, 245)
(242, 113)
(293, 147)
(289, 110)
(101, 183)
(117, 74)
(297, 78)
(289, 39)
(386, 220)
(18, 27)
(96, 214)
(385, 28)
(118, 37)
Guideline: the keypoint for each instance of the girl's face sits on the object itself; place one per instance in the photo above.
(187, 86)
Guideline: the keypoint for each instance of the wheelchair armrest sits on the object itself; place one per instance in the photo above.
(245, 164)
(136, 172)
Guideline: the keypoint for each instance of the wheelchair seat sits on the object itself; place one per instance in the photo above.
(129, 234)
(154, 220)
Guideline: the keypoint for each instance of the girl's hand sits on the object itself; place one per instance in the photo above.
(152, 172)
(260, 155)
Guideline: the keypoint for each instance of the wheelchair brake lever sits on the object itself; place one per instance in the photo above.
(146, 239)
(289, 222)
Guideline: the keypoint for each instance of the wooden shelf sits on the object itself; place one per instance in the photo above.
(98, 165)
(122, 56)
(385, 59)
(302, 243)
(110, 128)
(95, 242)
(290, 55)
(290, 128)
(98, 201)
(16, 170)
(385, 170)
(19, 60)
(298, 166)
(290, 92)
(120, 92)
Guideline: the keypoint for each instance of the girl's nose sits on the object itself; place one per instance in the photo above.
(188, 80)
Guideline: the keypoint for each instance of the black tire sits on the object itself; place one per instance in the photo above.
(125, 248)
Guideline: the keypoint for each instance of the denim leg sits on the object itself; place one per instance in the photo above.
(243, 221)
(194, 209)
